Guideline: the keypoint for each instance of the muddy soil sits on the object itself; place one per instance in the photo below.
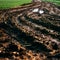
(30, 32)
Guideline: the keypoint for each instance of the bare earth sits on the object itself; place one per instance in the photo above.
(29, 35)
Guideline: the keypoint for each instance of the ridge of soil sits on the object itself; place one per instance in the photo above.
(28, 35)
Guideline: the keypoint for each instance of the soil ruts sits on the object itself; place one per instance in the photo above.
(28, 35)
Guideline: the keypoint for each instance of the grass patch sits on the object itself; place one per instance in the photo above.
(57, 2)
(4, 4)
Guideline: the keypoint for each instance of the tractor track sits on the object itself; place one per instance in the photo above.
(34, 30)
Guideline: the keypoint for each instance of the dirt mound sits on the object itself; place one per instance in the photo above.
(30, 32)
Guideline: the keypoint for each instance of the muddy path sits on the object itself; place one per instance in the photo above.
(35, 27)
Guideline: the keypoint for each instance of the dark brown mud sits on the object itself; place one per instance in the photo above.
(28, 35)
